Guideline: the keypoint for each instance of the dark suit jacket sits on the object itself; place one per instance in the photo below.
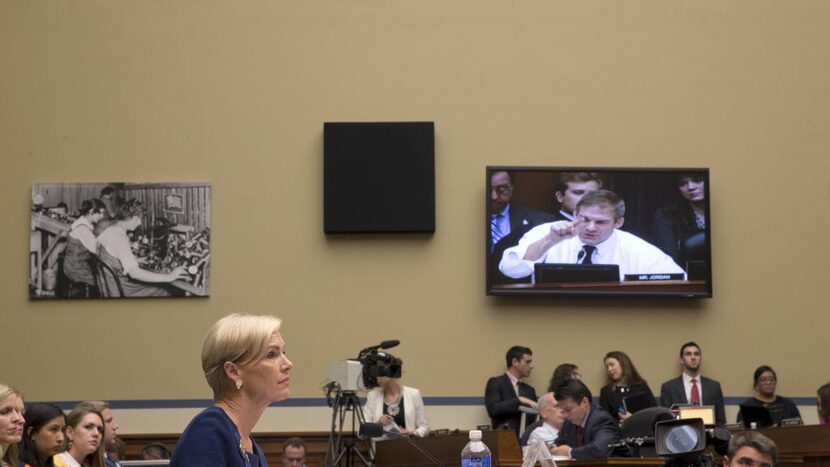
(672, 392)
(521, 220)
(600, 430)
(502, 403)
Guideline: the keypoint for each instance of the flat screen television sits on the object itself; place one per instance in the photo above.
(555, 230)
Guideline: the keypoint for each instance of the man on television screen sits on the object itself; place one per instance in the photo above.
(593, 238)
(507, 219)
(570, 188)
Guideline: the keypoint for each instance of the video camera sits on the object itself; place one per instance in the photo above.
(362, 373)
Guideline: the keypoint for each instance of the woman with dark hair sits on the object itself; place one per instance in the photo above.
(84, 443)
(562, 373)
(764, 381)
(42, 435)
(679, 226)
(114, 250)
(392, 402)
(623, 381)
(11, 425)
(81, 245)
(823, 404)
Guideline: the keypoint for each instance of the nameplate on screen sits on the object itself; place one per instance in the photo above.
(653, 277)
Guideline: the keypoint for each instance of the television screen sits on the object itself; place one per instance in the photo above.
(598, 231)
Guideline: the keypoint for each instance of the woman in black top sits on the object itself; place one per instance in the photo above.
(779, 407)
(679, 225)
(623, 381)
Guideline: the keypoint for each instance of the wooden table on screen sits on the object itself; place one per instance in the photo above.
(503, 445)
(801, 445)
(691, 287)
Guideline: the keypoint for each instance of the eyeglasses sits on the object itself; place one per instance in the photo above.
(766, 379)
(503, 190)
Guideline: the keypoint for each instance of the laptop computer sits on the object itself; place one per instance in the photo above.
(704, 412)
(755, 414)
(545, 273)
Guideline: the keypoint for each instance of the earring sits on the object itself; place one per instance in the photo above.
(239, 384)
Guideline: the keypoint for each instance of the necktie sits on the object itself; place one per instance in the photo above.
(495, 231)
(586, 253)
(695, 393)
(578, 438)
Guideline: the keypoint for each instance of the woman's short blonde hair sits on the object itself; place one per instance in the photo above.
(238, 338)
(11, 455)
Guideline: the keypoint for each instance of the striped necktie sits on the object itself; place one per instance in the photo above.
(495, 229)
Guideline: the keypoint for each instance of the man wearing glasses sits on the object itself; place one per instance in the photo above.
(588, 431)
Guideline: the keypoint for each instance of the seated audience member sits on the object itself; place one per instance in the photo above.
(81, 246)
(594, 238)
(679, 226)
(42, 435)
(117, 451)
(622, 381)
(155, 451)
(685, 388)
(114, 250)
(110, 426)
(504, 394)
(547, 428)
(823, 404)
(508, 222)
(587, 431)
(563, 373)
(751, 448)
(392, 402)
(779, 407)
(11, 425)
(244, 362)
(84, 445)
(293, 452)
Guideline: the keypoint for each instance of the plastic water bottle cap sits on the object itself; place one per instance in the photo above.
(475, 434)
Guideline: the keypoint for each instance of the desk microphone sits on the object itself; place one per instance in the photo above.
(375, 430)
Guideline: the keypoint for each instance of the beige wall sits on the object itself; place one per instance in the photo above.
(235, 93)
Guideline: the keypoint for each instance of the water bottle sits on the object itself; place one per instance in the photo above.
(475, 453)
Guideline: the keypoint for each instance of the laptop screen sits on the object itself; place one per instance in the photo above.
(705, 412)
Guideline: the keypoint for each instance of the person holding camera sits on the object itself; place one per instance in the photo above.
(394, 405)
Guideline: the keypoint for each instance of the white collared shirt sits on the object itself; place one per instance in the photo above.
(515, 382)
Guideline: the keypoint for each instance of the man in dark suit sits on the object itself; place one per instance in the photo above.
(692, 388)
(587, 431)
(506, 393)
(508, 222)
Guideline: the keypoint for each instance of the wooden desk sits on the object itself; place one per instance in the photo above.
(503, 445)
(611, 288)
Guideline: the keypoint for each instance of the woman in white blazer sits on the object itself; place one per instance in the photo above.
(393, 402)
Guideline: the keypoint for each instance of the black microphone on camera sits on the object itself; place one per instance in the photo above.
(375, 430)
(389, 344)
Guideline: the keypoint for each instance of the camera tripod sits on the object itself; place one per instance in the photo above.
(342, 450)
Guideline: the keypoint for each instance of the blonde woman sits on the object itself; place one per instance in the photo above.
(11, 425)
(245, 365)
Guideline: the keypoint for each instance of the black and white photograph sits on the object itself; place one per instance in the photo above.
(113, 240)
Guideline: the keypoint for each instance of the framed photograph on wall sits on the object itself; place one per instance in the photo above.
(113, 240)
